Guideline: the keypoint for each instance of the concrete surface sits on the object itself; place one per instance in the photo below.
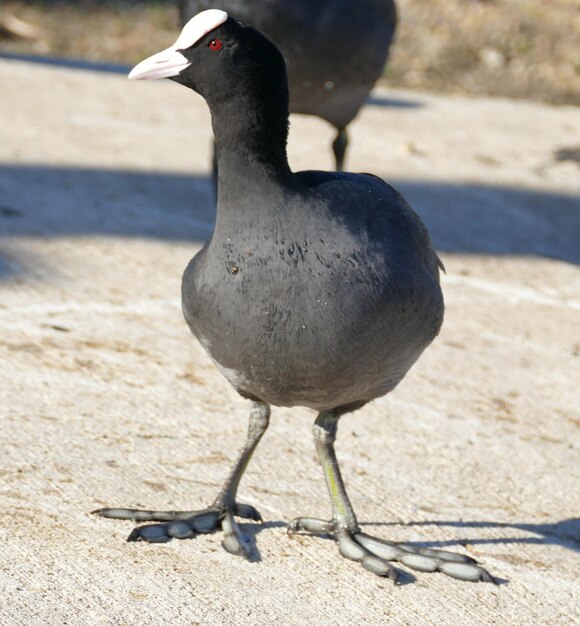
(106, 400)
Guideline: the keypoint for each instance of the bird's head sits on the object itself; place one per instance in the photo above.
(217, 56)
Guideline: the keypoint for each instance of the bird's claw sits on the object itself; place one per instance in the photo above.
(233, 541)
(247, 511)
(374, 554)
(453, 564)
(310, 525)
(188, 524)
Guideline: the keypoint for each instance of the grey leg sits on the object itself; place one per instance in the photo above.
(374, 554)
(259, 420)
(339, 148)
(185, 524)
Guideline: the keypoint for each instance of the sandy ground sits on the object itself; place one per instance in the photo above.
(106, 400)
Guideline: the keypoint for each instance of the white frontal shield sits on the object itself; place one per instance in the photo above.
(170, 62)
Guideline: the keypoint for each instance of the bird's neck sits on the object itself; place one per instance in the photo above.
(250, 136)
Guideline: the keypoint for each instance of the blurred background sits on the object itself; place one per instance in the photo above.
(512, 48)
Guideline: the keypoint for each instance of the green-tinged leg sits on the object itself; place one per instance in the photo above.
(374, 554)
(186, 524)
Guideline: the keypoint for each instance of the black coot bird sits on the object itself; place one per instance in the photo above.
(316, 289)
(335, 50)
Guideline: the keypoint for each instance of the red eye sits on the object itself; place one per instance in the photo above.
(215, 45)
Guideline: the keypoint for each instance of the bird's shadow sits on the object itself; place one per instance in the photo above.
(75, 64)
(565, 533)
(250, 533)
(377, 100)
(374, 99)
(467, 218)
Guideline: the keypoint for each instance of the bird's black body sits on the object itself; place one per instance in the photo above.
(335, 49)
(324, 298)
(316, 289)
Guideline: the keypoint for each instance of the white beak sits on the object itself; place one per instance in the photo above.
(161, 65)
(170, 62)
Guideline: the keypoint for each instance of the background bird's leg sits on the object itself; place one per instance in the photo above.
(186, 524)
(373, 553)
(214, 171)
(339, 148)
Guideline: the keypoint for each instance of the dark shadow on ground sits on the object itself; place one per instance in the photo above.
(568, 153)
(75, 64)
(119, 68)
(251, 531)
(39, 201)
(470, 218)
(565, 533)
(393, 103)
(52, 202)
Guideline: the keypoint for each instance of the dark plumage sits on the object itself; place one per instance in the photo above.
(335, 50)
(336, 280)
(316, 289)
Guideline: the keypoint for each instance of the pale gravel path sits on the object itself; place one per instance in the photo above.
(106, 400)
